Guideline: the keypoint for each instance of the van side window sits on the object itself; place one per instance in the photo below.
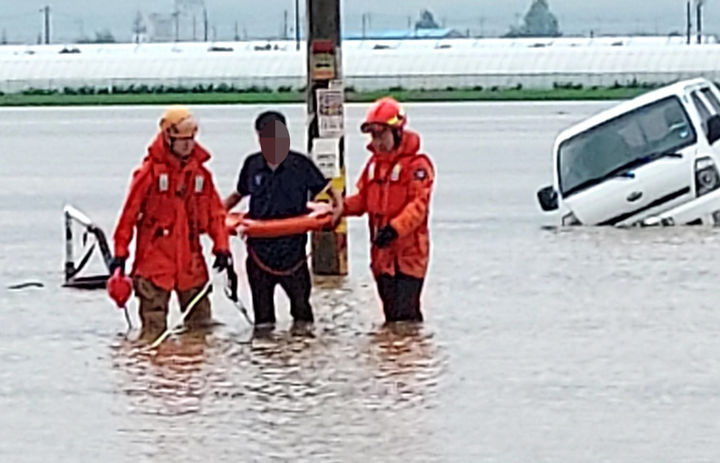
(714, 102)
(704, 112)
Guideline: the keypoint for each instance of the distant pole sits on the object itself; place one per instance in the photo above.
(297, 25)
(237, 32)
(689, 22)
(194, 28)
(81, 28)
(46, 13)
(364, 25)
(285, 25)
(47, 25)
(699, 21)
(176, 16)
(205, 23)
(324, 65)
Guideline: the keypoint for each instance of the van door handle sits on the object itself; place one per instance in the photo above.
(634, 196)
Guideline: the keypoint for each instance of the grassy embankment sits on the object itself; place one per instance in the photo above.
(228, 95)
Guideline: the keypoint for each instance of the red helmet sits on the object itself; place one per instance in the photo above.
(385, 111)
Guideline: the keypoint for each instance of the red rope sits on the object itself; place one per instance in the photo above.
(279, 273)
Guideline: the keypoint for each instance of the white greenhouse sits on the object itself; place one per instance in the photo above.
(367, 64)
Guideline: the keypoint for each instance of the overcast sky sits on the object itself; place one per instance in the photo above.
(21, 20)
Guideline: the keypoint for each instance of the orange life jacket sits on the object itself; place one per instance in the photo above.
(171, 205)
(394, 189)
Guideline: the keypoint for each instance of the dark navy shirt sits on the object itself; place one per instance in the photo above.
(280, 194)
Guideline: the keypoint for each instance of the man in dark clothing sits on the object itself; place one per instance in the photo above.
(279, 182)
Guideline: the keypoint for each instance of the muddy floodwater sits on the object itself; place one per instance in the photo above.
(539, 345)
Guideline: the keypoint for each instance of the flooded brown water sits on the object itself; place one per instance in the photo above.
(538, 345)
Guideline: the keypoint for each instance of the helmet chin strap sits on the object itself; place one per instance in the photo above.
(397, 136)
(182, 159)
(397, 140)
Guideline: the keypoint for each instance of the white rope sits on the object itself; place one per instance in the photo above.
(203, 292)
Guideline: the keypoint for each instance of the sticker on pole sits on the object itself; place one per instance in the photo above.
(322, 60)
(326, 155)
(330, 112)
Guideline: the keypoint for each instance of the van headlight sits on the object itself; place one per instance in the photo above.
(707, 178)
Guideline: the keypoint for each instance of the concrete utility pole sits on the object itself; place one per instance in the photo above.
(326, 137)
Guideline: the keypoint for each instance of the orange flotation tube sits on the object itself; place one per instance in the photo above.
(273, 228)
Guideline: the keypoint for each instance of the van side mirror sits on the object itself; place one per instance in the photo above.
(714, 129)
(548, 198)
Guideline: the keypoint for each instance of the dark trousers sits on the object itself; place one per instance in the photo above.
(297, 286)
(400, 295)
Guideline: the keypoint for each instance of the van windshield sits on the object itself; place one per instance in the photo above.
(647, 133)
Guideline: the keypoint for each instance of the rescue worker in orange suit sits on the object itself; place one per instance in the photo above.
(394, 189)
(172, 200)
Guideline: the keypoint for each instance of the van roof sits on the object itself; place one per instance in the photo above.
(678, 89)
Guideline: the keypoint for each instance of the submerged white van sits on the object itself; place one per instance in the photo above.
(652, 160)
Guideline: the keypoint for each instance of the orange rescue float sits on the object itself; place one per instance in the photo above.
(273, 228)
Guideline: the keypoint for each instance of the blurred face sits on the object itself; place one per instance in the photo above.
(181, 147)
(383, 140)
(275, 143)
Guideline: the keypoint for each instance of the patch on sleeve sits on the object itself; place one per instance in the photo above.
(421, 174)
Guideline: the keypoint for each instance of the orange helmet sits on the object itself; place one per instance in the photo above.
(385, 111)
(177, 122)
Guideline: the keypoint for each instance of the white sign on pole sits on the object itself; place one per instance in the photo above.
(326, 155)
(330, 112)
